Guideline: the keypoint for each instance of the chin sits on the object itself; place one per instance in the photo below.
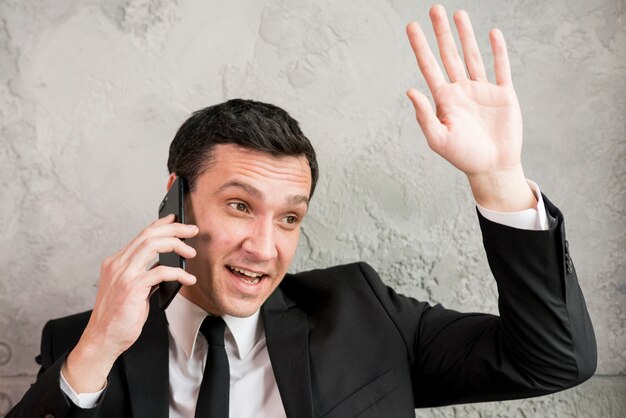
(241, 311)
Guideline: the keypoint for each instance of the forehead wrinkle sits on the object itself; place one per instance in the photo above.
(291, 167)
(248, 188)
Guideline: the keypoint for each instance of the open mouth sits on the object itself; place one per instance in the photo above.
(247, 276)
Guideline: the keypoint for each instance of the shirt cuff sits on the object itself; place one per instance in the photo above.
(530, 219)
(82, 400)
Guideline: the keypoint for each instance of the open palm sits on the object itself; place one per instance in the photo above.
(479, 126)
(476, 125)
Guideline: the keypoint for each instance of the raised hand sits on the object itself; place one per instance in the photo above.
(122, 302)
(477, 125)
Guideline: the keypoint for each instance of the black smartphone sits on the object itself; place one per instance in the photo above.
(173, 202)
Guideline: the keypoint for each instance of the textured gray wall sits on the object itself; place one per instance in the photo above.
(91, 93)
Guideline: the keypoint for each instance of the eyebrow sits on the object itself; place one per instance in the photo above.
(257, 194)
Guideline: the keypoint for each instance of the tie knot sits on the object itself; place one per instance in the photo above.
(213, 330)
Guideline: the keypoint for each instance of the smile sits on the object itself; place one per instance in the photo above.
(247, 276)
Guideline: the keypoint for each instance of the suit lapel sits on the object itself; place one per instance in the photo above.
(146, 364)
(287, 336)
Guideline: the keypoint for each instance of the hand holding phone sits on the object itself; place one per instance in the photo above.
(125, 285)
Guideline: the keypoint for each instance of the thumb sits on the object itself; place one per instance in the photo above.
(426, 117)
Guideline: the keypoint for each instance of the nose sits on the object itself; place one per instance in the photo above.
(261, 242)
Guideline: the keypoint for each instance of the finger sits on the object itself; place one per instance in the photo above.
(155, 231)
(426, 117)
(160, 245)
(501, 64)
(426, 61)
(471, 53)
(160, 274)
(168, 219)
(447, 48)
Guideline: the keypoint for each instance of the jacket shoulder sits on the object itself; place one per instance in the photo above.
(342, 269)
(355, 284)
(331, 278)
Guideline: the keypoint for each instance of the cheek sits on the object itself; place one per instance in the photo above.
(220, 236)
(287, 248)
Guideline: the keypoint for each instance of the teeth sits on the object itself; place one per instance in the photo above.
(253, 281)
(248, 273)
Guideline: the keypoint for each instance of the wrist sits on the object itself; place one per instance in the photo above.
(503, 191)
(87, 367)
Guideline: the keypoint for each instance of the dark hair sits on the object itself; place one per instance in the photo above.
(251, 124)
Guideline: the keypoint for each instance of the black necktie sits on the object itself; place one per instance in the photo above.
(215, 387)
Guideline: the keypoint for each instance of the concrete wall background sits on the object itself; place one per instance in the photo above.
(91, 93)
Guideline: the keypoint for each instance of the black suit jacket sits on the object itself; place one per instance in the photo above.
(343, 344)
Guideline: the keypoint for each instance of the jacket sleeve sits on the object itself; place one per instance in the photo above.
(45, 397)
(541, 343)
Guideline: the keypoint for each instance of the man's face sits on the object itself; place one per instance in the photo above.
(248, 206)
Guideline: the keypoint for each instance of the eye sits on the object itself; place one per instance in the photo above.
(239, 206)
(291, 219)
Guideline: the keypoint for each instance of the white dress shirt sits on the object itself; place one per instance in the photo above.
(253, 388)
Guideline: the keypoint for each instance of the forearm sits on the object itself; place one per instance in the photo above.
(533, 219)
(87, 367)
(545, 326)
(503, 191)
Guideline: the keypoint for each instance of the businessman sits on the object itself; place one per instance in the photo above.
(245, 339)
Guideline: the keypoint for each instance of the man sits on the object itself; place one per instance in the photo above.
(333, 342)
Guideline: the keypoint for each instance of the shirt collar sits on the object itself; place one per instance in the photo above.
(185, 317)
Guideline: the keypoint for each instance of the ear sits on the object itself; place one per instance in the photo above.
(170, 180)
